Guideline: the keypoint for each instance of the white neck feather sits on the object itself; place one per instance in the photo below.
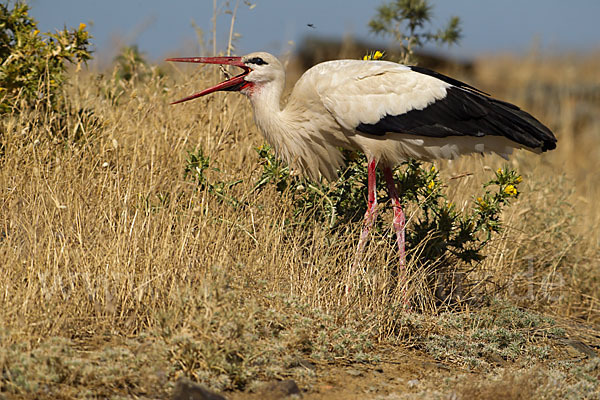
(269, 117)
(291, 132)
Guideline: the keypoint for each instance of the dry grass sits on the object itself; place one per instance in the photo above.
(104, 245)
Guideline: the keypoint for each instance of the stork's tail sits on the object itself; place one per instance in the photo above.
(520, 126)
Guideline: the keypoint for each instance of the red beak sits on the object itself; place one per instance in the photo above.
(234, 84)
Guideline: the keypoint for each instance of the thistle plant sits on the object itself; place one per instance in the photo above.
(334, 205)
(439, 231)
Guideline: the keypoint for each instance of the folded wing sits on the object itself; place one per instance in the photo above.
(383, 98)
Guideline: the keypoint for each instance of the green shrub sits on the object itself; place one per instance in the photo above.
(439, 231)
(131, 64)
(196, 167)
(406, 20)
(33, 68)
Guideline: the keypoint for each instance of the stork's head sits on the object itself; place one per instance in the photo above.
(260, 71)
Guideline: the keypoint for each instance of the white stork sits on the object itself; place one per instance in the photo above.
(390, 112)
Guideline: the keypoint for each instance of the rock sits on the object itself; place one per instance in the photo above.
(582, 347)
(354, 372)
(188, 390)
(280, 389)
(412, 383)
(303, 364)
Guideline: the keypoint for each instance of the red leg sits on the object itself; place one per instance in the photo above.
(370, 216)
(399, 222)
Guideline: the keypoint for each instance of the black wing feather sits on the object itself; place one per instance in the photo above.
(447, 79)
(466, 111)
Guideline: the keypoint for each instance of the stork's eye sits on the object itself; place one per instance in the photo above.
(257, 61)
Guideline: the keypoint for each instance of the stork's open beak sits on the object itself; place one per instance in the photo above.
(234, 84)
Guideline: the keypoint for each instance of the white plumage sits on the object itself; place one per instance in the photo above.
(336, 96)
(331, 100)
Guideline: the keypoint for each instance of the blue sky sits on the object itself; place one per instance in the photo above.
(162, 27)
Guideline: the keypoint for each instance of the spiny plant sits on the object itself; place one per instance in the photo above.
(33, 68)
(439, 230)
(405, 22)
(196, 167)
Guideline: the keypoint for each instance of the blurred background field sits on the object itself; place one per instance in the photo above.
(122, 275)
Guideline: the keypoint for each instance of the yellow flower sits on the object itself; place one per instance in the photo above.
(373, 56)
(482, 203)
(499, 172)
(510, 190)
(431, 185)
(36, 32)
(82, 26)
(433, 168)
(519, 179)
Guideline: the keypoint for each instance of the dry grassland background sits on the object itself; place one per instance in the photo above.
(120, 277)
